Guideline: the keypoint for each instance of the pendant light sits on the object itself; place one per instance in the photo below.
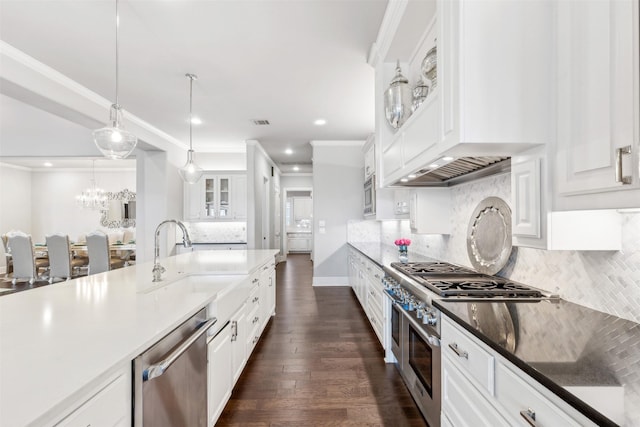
(190, 172)
(113, 140)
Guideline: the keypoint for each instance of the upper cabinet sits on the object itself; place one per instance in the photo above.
(369, 158)
(493, 88)
(217, 196)
(597, 155)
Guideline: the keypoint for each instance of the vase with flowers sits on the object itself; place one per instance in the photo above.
(402, 245)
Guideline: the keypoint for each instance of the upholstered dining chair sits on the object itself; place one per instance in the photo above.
(99, 255)
(61, 263)
(7, 254)
(25, 264)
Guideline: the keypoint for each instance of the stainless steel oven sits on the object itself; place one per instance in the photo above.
(370, 195)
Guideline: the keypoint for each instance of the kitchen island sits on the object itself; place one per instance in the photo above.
(63, 343)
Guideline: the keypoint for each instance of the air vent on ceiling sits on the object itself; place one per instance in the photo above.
(260, 122)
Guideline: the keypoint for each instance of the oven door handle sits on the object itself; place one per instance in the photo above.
(161, 367)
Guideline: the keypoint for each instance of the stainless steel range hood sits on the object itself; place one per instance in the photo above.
(458, 171)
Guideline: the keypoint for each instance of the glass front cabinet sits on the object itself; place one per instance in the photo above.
(216, 197)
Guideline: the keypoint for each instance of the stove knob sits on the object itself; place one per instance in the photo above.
(419, 312)
(430, 319)
(412, 304)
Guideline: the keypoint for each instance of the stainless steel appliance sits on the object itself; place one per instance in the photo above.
(415, 322)
(370, 195)
(170, 378)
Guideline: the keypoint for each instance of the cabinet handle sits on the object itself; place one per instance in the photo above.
(255, 319)
(255, 339)
(620, 177)
(529, 416)
(270, 281)
(457, 351)
(255, 280)
(234, 330)
(255, 299)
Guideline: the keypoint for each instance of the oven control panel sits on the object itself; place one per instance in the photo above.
(410, 303)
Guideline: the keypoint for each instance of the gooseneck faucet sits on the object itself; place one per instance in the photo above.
(186, 241)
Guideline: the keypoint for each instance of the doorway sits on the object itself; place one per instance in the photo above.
(298, 221)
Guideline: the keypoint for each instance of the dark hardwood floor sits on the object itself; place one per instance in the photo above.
(318, 363)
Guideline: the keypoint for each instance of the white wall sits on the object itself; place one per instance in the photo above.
(337, 197)
(259, 168)
(222, 161)
(15, 202)
(296, 181)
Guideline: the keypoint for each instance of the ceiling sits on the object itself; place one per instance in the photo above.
(286, 61)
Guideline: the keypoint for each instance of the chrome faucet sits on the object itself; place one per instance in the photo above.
(186, 241)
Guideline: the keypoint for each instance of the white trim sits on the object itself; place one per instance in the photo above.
(388, 28)
(297, 174)
(8, 165)
(256, 143)
(350, 143)
(9, 54)
(331, 281)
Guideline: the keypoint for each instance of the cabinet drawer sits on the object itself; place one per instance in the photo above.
(463, 404)
(378, 326)
(516, 396)
(375, 300)
(108, 408)
(474, 361)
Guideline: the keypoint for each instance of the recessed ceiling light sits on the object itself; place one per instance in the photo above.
(404, 180)
(433, 165)
(320, 122)
(411, 176)
(296, 168)
(447, 158)
(288, 151)
(48, 164)
(196, 120)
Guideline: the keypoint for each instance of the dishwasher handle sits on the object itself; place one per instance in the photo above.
(161, 367)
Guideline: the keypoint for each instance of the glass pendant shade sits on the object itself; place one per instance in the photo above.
(114, 141)
(190, 172)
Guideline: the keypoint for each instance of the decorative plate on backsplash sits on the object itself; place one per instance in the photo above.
(489, 235)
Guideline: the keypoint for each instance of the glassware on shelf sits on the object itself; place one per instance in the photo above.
(397, 100)
(430, 65)
(420, 92)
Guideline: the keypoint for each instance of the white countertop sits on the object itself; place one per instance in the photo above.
(57, 340)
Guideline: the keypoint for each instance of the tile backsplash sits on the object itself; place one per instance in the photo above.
(607, 281)
(215, 232)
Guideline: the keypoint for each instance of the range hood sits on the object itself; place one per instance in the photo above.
(458, 171)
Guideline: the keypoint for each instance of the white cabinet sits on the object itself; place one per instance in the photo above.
(216, 196)
(489, 99)
(267, 294)
(109, 406)
(598, 113)
(238, 340)
(299, 242)
(536, 224)
(219, 373)
(480, 387)
(369, 159)
(430, 211)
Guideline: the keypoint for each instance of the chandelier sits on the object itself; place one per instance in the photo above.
(94, 197)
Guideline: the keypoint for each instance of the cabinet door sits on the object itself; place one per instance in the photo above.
(238, 342)
(224, 197)
(239, 197)
(210, 200)
(463, 404)
(194, 206)
(219, 373)
(597, 99)
(369, 162)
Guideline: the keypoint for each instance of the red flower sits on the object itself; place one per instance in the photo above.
(402, 242)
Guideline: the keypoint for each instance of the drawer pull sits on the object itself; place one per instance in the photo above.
(529, 416)
(255, 280)
(234, 330)
(620, 177)
(255, 299)
(255, 319)
(457, 351)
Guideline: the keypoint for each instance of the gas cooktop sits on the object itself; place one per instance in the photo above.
(448, 280)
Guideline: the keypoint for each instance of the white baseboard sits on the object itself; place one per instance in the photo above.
(331, 281)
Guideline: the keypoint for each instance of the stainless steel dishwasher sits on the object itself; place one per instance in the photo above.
(170, 378)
